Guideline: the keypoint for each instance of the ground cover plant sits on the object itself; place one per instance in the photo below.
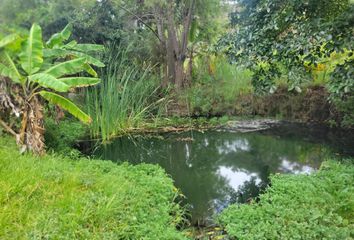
(57, 198)
(316, 206)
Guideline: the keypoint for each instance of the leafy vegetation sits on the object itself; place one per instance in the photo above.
(294, 36)
(62, 137)
(294, 43)
(166, 65)
(316, 206)
(32, 70)
(124, 99)
(218, 87)
(54, 197)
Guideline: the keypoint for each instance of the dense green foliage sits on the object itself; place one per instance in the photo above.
(61, 137)
(316, 206)
(218, 87)
(296, 44)
(124, 99)
(292, 44)
(159, 61)
(57, 198)
(32, 71)
(289, 38)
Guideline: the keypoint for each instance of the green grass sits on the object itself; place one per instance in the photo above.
(317, 206)
(57, 198)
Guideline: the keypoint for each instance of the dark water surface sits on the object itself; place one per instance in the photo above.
(216, 168)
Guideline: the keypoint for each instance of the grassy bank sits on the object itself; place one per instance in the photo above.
(57, 198)
(318, 206)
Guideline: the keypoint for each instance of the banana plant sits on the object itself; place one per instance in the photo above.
(39, 72)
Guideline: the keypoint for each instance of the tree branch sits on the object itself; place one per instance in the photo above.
(7, 128)
(141, 20)
(187, 24)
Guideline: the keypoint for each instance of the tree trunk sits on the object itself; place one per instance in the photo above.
(32, 130)
(177, 47)
(180, 74)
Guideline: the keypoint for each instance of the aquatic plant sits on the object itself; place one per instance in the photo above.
(124, 99)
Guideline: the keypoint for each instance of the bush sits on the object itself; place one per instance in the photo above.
(61, 137)
(318, 206)
(344, 114)
(218, 86)
(58, 198)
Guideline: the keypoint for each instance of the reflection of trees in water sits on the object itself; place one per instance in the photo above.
(195, 166)
(248, 191)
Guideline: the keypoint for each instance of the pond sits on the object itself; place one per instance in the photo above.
(218, 167)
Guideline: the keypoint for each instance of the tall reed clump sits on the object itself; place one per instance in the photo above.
(124, 98)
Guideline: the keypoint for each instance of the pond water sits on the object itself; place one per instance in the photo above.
(216, 168)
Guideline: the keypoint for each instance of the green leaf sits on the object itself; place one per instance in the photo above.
(55, 53)
(90, 70)
(66, 32)
(193, 31)
(6, 72)
(66, 105)
(49, 81)
(67, 68)
(8, 40)
(9, 68)
(58, 39)
(70, 45)
(31, 56)
(88, 48)
(89, 59)
(80, 81)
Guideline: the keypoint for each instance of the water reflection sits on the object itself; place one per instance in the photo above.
(236, 179)
(218, 168)
(294, 167)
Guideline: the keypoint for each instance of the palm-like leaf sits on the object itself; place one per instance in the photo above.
(88, 48)
(6, 72)
(58, 39)
(89, 59)
(75, 82)
(8, 68)
(90, 70)
(62, 53)
(55, 53)
(8, 40)
(67, 68)
(48, 81)
(31, 56)
(66, 105)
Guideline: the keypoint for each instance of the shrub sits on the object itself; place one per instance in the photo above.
(318, 206)
(218, 86)
(61, 137)
(57, 198)
(344, 114)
